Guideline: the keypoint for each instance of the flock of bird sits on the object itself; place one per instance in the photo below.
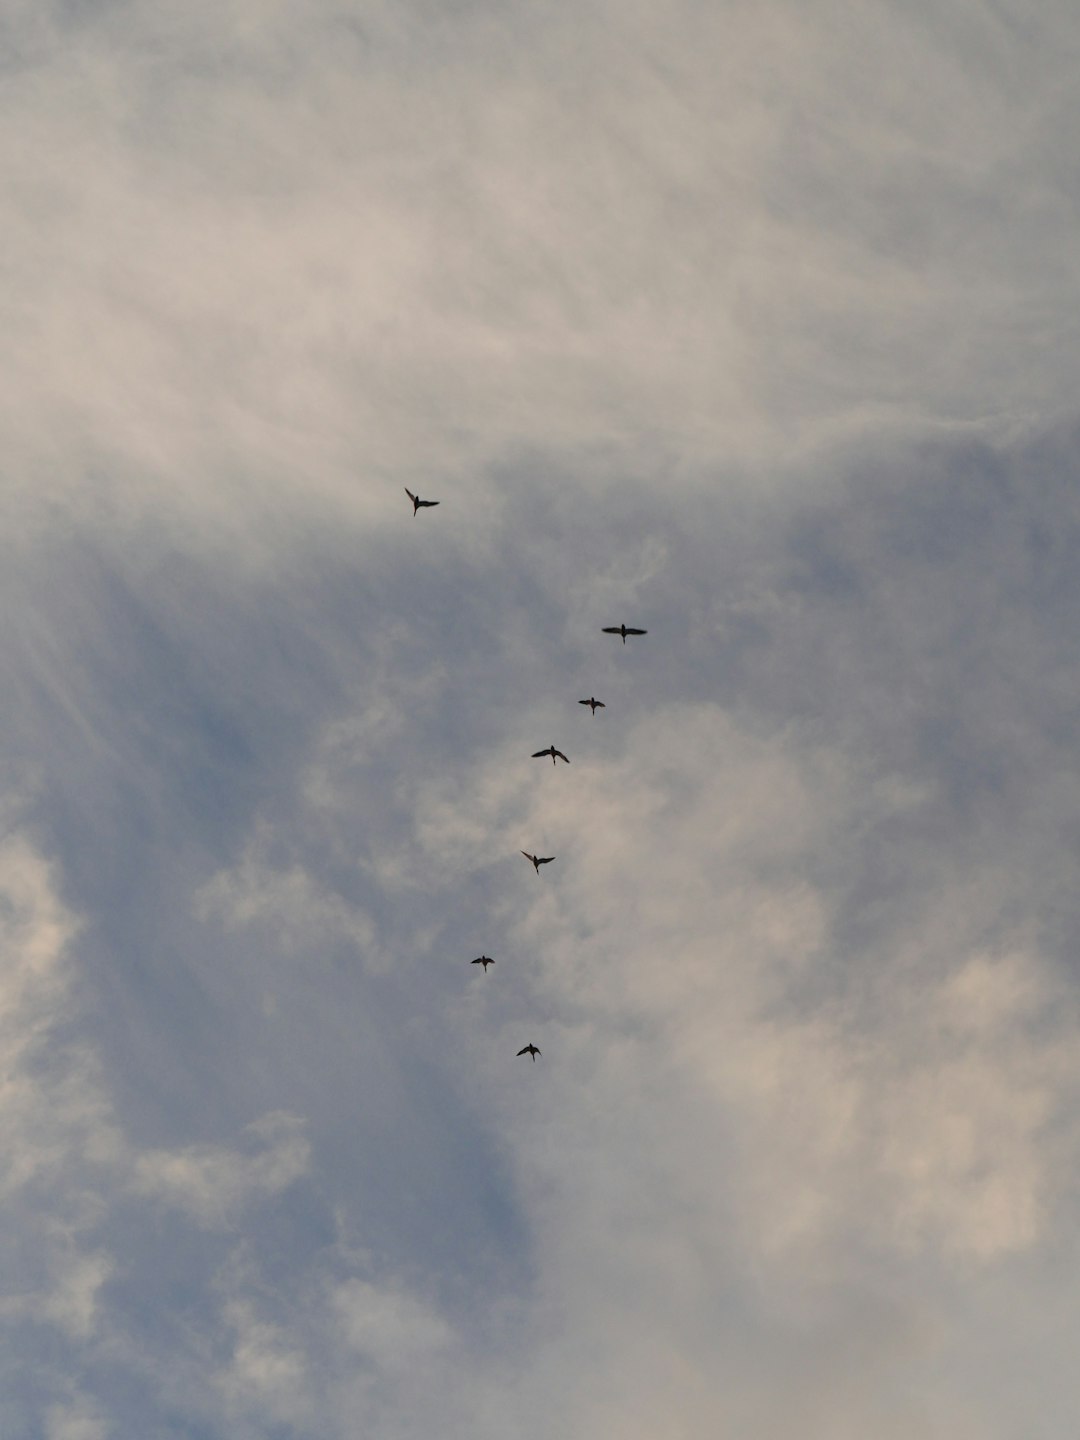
(537, 860)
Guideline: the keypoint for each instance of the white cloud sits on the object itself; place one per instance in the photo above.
(268, 1375)
(70, 1173)
(73, 1303)
(368, 249)
(216, 1184)
(387, 1327)
(76, 1420)
(736, 1116)
(344, 1352)
(50, 1094)
(911, 1104)
(69, 1299)
(288, 903)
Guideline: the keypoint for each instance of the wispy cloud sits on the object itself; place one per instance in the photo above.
(213, 1183)
(751, 325)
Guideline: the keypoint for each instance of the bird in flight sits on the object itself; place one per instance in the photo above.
(417, 502)
(538, 860)
(622, 630)
(552, 752)
(531, 1051)
(484, 960)
(593, 704)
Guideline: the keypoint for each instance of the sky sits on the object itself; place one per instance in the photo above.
(752, 325)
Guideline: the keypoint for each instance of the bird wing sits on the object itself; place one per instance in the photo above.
(528, 856)
(525, 1050)
(477, 961)
(409, 493)
(538, 753)
(612, 629)
(429, 504)
(584, 702)
(631, 631)
(560, 755)
(599, 705)
(544, 859)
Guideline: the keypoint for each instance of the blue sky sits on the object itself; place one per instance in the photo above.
(751, 325)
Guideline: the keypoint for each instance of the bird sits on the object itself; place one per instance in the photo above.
(531, 1051)
(538, 860)
(593, 704)
(417, 502)
(622, 630)
(552, 752)
(484, 960)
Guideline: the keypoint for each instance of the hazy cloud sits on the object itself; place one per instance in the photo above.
(749, 324)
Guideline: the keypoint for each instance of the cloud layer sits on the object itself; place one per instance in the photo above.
(750, 325)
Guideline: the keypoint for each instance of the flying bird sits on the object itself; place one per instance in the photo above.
(484, 960)
(417, 502)
(538, 860)
(552, 752)
(531, 1051)
(593, 704)
(622, 630)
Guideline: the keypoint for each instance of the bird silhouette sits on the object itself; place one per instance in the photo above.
(484, 960)
(538, 860)
(417, 502)
(531, 1051)
(622, 630)
(593, 704)
(552, 752)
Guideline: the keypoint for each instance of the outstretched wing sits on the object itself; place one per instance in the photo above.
(478, 961)
(561, 756)
(409, 493)
(525, 1050)
(584, 702)
(612, 629)
(631, 631)
(544, 859)
(538, 753)
(429, 503)
(599, 705)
